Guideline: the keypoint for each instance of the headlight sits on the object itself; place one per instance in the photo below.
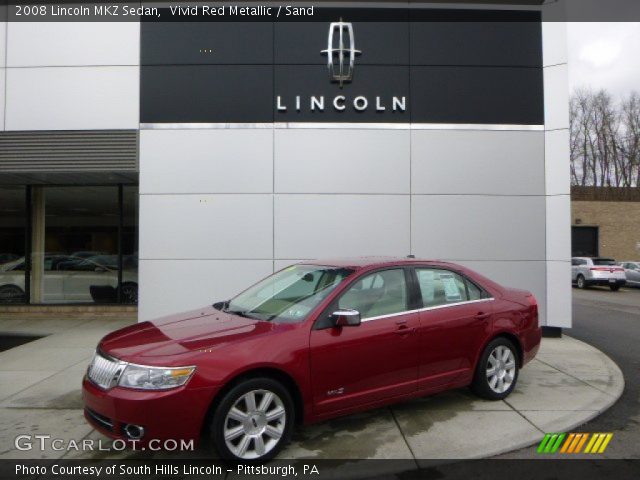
(154, 378)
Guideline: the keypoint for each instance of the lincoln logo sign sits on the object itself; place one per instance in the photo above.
(342, 71)
(341, 54)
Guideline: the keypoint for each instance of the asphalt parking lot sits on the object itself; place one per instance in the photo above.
(610, 321)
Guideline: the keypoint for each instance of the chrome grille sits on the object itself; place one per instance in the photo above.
(104, 371)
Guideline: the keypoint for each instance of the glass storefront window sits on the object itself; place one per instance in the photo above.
(80, 245)
(69, 244)
(13, 237)
(129, 290)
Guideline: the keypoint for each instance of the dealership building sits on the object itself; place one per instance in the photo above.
(172, 164)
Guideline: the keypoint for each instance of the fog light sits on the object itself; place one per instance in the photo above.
(133, 432)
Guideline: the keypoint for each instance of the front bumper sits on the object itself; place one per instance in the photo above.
(176, 414)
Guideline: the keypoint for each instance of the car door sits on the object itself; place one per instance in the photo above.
(632, 272)
(378, 359)
(455, 320)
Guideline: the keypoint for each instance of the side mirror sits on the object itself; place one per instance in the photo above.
(346, 318)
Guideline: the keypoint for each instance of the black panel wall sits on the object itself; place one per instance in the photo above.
(449, 71)
(206, 93)
(501, 95)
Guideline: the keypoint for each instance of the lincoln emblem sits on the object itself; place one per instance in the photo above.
(341, 59)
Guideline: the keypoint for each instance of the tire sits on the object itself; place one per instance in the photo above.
(581, 282)
(11, 294)
(253, 438)
(501, 383)
(129, 293)
(614, 288)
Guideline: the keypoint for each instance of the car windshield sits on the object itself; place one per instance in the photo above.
(604, 261)
(288, 295)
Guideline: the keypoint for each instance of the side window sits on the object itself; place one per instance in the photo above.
(575, 262)
(475, 293)
(380, 293)
(442, 287)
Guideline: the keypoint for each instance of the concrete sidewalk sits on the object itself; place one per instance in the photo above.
(567, 384)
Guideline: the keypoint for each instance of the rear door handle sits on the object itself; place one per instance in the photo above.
(482, 315)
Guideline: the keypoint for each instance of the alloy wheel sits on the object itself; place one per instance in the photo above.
(254, 424)
(501, 369)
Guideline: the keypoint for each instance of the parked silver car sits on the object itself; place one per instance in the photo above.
(586, 272)
(632, 271)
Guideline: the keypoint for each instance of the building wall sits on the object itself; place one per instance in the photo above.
(619, 226)
(556, 162)
(223, 205)
(71, 76)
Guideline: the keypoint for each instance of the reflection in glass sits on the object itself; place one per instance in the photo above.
(13, 231)
(129, 289)
(80, 245)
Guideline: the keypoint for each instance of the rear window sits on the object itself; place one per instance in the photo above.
(604, 261)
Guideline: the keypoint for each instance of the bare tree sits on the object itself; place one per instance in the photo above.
(630, 139)
(605, 139)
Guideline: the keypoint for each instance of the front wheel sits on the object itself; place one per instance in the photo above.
(614, 288)
(497, 371)
(253, 421)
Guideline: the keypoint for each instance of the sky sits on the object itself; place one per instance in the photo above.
(605, 55)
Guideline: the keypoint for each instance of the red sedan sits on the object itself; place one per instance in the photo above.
(310, 342)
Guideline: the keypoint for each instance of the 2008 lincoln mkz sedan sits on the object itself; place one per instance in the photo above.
(310, 342)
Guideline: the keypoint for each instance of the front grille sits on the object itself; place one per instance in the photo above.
(104, 371)
(100, 420)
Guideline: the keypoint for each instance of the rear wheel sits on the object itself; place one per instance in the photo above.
(253, 421)
(614, 288)
(497, 371)
(129, 293)
(581, 282)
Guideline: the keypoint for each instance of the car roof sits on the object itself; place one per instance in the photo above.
(358, 263)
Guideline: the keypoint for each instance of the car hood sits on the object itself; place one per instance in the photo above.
(191, 332)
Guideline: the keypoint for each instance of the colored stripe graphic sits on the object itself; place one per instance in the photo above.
(598, 443)
(577, 441)
(568, 442)
(582, 442)
(551, 442)
(573, 443)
